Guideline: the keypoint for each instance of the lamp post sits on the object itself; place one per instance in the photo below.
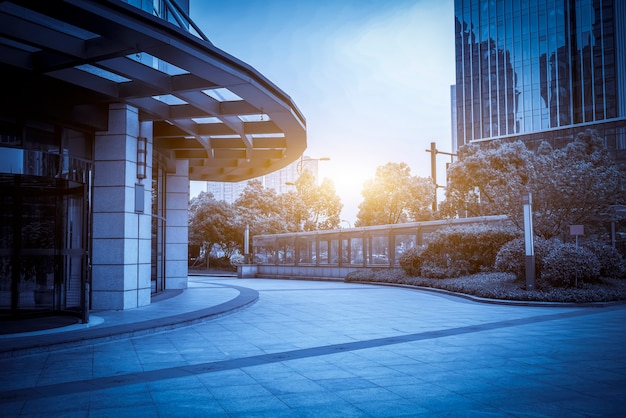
(433, 168)
(527, 201)
(618, 212)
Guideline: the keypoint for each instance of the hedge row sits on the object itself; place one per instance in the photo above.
(463, 250)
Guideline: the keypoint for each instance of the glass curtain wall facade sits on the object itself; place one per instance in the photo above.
(539, 66)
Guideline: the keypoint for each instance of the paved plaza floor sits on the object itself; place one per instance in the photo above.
(278, 348)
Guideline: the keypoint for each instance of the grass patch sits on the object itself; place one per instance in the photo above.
(498, 285)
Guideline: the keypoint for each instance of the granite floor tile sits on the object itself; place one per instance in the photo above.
(324, 349)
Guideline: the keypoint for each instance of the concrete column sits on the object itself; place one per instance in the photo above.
(121, 235)
(176, 226)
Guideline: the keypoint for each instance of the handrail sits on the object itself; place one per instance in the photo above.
(373, 246)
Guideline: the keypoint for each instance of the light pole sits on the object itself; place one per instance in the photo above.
(433, 168)
(617, 213)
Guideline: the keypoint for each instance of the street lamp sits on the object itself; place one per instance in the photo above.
(617, 212)
(433, 168)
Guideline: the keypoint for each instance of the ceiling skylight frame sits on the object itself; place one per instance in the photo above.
(102, 73)
(222, 94)
(274, 135)
(157, 63)
(228, 136)
(258, 117)
(209, 120)
(170, 99)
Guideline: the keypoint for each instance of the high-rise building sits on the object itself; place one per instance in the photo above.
(108, 110)
(541, 70)
(281, 180)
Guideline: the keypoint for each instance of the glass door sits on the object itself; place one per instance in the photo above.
(43, 245)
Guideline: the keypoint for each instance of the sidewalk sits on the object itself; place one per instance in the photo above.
(331, 349)
(171, 309)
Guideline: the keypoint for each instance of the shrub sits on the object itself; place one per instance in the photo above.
(465, 249)
(568, 265)
(221, 263)
(411, 261)
(437, 270)
(512, 257)
(360, 275)
(611, 261)
(237, 260)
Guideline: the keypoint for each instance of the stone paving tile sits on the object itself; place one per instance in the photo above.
(334, 349)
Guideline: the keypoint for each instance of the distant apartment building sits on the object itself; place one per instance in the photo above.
(540, 70)
(281, 180)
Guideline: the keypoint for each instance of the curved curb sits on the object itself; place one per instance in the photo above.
(48, 342)
(478, 299)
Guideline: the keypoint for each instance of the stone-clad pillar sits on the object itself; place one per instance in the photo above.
(176, 235)
(121, 235)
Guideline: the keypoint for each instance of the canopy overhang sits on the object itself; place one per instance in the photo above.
(72, 58)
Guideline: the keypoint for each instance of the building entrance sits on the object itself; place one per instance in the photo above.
(44, 251)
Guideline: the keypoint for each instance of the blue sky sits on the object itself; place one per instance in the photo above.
(371, 77)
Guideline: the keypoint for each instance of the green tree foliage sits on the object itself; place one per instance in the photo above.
(260, 208)
(211, 223)
(574, 185)
(316, 207)
(310, 207)
(571, 185)
(395, 196)
(488, 179)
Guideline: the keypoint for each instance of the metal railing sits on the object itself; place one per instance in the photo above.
(374, 246)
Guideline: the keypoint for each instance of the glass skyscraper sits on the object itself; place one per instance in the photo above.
(540, 70)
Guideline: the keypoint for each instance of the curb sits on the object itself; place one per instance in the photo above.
(48, 342)
(478, 299)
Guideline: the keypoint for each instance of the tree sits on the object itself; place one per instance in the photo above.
(395, 196)
(488, 179)
(571, 185)
(315, 207)
(211, 223)
(261, 209)
(574, 185)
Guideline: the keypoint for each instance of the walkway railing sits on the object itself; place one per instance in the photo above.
(374, 246)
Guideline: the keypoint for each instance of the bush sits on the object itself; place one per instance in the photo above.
(611, 261)
(360, 275)
(436, 269)
(466, 249)
(237, 260)
(512, 257)
(411, 261)
(220, 263)
(568, 265)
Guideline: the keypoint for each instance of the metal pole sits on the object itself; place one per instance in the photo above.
(246, 244)
(433, 171)
(529, 244)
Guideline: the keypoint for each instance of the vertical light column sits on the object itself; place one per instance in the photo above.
(529, 244)
(121, 235)
(176, 226)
